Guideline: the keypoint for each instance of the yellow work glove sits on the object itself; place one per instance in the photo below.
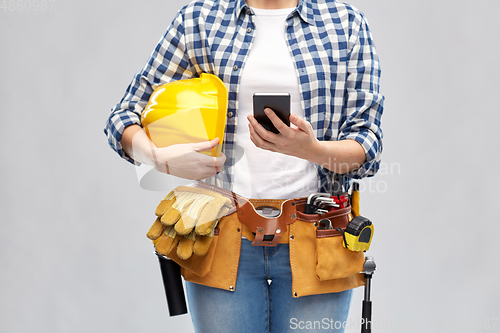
(186, 218)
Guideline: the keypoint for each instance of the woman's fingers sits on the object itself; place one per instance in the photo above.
(301, 124)
(206, 145)
(277, 122)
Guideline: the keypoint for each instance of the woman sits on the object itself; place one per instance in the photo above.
(321, 52)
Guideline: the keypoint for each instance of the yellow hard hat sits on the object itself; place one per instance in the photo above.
(187, 111)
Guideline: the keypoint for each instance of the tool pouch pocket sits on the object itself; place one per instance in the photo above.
(218, 268)
(333, 260)
(198, 265)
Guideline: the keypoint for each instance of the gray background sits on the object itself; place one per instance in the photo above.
(73, 252)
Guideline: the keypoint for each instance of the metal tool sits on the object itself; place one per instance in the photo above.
(325, 224)
(369, 268)
(320, 203)
(268, 211)
(328, 206)
(309, 208)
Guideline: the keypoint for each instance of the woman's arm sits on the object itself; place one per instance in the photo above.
(182, 160)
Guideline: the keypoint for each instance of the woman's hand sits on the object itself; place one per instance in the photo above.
(299, 141)
(182, 160)
(187, 161)
(296, 141)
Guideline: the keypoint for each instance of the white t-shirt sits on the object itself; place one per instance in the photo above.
(262, 174)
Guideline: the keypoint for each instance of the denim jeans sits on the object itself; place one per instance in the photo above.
(262, 300)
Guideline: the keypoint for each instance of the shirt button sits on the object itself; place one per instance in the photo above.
(230, 114)
(235, 68)
(249, 29)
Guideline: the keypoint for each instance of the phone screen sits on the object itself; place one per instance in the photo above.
(278, 102)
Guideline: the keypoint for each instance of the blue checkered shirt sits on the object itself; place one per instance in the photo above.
(336, 64)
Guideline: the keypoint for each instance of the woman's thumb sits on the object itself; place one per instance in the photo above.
(206, 145)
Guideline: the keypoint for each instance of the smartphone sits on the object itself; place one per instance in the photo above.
(278, 102)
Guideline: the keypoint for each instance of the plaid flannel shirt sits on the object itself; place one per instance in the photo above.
(336, 64)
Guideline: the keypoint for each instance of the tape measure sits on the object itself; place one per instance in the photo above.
(358, 234)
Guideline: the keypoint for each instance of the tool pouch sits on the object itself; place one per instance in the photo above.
(187, 227)
(319, 262)
(333, 260)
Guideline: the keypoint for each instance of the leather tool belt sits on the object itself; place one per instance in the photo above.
(268, 219)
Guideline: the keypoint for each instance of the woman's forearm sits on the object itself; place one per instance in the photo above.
(137, 145)
(338, 156)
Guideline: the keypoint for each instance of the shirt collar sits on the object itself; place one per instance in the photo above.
(304, 10)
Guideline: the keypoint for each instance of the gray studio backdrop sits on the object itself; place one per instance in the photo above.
(73, 252)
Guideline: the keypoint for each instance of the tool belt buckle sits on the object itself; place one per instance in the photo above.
(267, 222)
(264, 236)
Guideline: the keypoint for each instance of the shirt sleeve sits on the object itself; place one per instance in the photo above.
(168, 62)
(363, 102)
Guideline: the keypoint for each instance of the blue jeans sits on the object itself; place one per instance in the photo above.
(262, 300)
